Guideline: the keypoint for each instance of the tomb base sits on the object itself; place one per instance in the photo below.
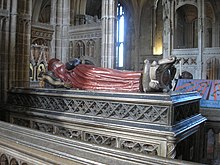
(159, 124)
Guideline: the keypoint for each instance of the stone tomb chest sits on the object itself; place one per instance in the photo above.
(167, 125)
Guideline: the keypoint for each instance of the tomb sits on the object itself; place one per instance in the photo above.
(167, 125)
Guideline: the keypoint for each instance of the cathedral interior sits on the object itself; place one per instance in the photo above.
(83, 127)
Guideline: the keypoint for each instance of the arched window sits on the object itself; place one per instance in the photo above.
(120, 36)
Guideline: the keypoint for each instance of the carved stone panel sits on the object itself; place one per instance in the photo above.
(141, 147)
(107, 109)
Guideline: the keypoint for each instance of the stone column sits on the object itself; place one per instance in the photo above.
(108, 33)
(62, 30)
(65, 30)
(167, 32)
(4, 50)
(4, 37)
(22, 61)
(53, 22)
(200, 70)
(58, 29)
(12, 44)
(37, 8)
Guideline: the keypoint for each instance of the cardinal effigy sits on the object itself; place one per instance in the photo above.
(76, 74)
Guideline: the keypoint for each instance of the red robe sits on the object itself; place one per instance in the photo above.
(90, 77)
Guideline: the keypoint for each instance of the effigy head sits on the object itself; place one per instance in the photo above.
(72, 63)
(53, 64)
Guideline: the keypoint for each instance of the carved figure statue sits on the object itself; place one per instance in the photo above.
(76, 74)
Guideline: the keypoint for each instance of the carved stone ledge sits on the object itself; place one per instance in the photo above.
(19, 144)
(42, 33)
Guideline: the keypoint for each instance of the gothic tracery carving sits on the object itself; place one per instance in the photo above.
(151, 149)
(6, 159)
(100, 139)
(138, 112)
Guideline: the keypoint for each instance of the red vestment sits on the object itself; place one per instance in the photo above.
(90, 77)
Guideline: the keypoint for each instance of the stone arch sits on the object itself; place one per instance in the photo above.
(41, 11)
(4, 160)
(14, 162)
(186, 27)
(213, 68)
(90, 46)
(77, 12)
(71, 49)
(94, 8)
(79, 49)
(181, 3)
(36, 10)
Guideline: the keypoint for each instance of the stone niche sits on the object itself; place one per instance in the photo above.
(158, 124)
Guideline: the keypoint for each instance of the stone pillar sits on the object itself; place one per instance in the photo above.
(22, 61)
(58, 28)
(62, 30)
(53, 22)
(4, 37)
(167, 32)
(12, 44)
(65, 30)
(108, 33)
(201, 73)
(37, 8)
(4, 49)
